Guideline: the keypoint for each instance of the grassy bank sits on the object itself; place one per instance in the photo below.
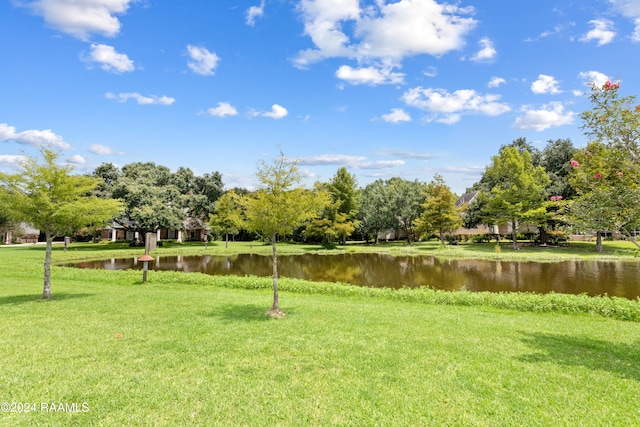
(195, 350)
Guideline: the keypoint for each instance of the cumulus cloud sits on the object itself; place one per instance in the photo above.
(277, 112)
(32, 137)
(551, 115)
(81, 18)
(12, 160)
(76, 159)
(109, 59)
(202, 61)
(102, 150)
(397, 115)
(496, 81)
(222, 110)
(593, 78)
(486, 53)
(141, 99)
(630, 9)
(369, 75)
(384, 31)
(602, 32)
(254, 12)
(545, 84)
(449, 107)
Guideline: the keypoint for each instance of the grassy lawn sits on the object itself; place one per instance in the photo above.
(194, 350)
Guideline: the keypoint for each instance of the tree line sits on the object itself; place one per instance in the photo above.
(592, 189)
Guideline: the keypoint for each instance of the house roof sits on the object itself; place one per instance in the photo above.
(466, 198)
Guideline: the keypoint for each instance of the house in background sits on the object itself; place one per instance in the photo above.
(193, 229)
(24, 233)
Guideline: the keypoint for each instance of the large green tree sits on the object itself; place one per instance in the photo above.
(518, 189)
(439, 212)
(52, 199)
(338, 220)
(376, 213)
(406, 199)
(278, 207)
(151, 200)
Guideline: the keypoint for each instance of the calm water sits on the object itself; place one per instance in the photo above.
(376, 270)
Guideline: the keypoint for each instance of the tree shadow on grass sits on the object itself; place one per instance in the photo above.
(244, 313)
(22, 299)
(622, 360)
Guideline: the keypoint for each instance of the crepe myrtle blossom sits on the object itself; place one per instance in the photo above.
(620, 173)
(610, 85)
(597, 176)
(556, 198)
(575, 163)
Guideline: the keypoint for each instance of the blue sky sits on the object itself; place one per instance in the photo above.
(404, 88)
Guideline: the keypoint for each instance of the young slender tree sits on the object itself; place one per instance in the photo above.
(439, 213)
(47, 196)
(278, 207)
(227, 218)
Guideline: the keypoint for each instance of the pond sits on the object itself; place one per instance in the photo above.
(614, 278)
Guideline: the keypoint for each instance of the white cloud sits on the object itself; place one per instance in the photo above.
(80, 18)
(602, 32)
(277, 112)
(431, 72)
(332, 159)
(496, 81)
(109, 59)
(254, 12)
(486, 53)
(397, 115)
(630, 9)
(385, 31)
(355, 162)
(593, 78)
(141, 99)
(222, 110)
(551, 115)
(448, 107)
(369, 75)
(32, 137)
(405, 154)
(545, 84)
(202, 61)
(12, 160)
(380, 164)
(76, 159)
(102, 150)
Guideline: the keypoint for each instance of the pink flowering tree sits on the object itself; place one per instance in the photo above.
(613, 120)
(606, 173)
(608, 197)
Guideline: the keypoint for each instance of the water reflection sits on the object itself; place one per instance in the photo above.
(379, 270)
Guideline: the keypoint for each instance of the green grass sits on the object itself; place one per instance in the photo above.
(187, 349)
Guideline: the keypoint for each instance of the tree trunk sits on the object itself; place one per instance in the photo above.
(514, 235)
(46, 293)
(632, 238)
(544, 236)
(276, 304)
(226, 243)
(441, 238)
(598, 242)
